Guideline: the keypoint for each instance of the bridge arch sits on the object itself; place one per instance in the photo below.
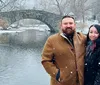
(50, 19)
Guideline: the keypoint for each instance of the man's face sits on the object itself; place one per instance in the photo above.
(68, 26)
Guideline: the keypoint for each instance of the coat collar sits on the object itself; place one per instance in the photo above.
(62, 34)
(77, 40)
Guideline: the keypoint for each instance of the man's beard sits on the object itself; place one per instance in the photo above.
(68, 31)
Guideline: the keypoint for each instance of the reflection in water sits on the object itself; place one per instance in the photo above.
(20, 59)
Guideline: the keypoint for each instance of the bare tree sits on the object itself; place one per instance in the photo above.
(9, 5)
(60, 7)
(80, 8)
(96, 10)
(1, 1)
(63, 6)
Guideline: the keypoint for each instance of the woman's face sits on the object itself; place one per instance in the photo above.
(93, 33)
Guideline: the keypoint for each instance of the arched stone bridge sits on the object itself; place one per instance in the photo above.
(50, 19)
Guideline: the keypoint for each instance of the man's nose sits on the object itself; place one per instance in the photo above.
(68, 25)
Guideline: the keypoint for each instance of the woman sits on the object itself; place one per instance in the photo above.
(92, 58)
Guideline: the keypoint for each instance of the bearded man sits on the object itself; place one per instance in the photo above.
(63, 54)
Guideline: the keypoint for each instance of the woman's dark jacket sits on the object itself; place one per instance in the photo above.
(92, 65)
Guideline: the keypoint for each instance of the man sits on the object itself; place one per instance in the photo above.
(63, 55)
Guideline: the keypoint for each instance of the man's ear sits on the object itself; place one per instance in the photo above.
(59, 26)
(75, 25)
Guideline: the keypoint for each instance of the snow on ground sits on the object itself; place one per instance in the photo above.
(24, 28)
(10, 31)
(80, 27)
(36, 28)
(42, 27)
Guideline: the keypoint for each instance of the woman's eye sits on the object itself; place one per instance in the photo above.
(96, 33)
(91, 32)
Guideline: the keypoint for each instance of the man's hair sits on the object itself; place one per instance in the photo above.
(67, 16)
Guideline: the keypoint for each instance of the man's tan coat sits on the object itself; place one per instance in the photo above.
(68, 59)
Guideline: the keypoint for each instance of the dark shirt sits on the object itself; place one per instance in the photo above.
(70, 37)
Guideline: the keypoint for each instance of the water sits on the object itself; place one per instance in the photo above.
(20, 58)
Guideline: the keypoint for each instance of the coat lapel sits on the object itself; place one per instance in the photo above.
(78, 45)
